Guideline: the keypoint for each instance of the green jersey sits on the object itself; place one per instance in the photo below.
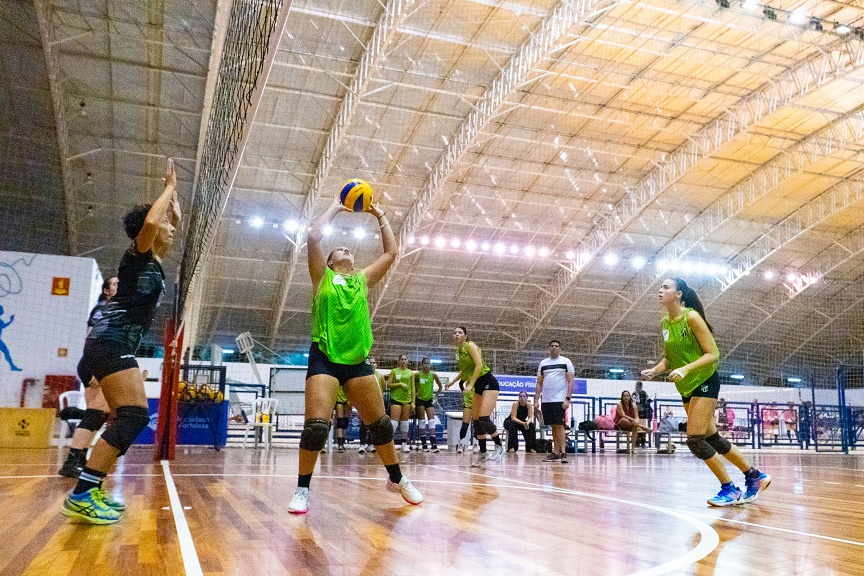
(401, 394)
(682, 348)
(340, 318)
(425, 383)
(340, 396)
(467, 397)
(382, 383)
(466, 364)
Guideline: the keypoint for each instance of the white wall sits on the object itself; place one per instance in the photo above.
(44, 323)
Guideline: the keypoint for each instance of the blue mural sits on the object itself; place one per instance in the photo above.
(3, 348)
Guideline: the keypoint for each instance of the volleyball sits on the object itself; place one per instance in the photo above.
(356, 195)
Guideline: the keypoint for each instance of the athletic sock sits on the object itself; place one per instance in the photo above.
(482, 442)
(463, 431)
(394, 472)
(497, 440)
(88, 479)
(752, 473)
(727, 486)
(303, 480)
(77, 451)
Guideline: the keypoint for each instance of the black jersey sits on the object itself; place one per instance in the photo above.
(127, 316)
(96, 313)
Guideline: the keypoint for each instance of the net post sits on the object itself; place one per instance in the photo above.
(166, 430)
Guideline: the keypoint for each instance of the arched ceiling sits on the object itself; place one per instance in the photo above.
(677, 137)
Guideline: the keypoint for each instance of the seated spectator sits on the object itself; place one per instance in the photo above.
(722, 416)
(645, 411)
(626, 416)
(521, 419)
(668, 423)
(790, 419)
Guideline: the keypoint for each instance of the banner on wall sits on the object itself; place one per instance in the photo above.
(515, 384)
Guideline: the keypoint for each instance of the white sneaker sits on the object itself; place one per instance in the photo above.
(476, 447)
(362, 449)
(370, 448)
(408, 491)
(460, 449)
(300, 502)
(480, 459)
(496, 453)
(406, 448)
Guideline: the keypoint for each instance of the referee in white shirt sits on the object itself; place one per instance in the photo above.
(555, 377)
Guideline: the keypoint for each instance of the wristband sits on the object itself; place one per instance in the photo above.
(568, 398)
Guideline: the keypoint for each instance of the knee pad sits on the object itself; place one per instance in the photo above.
(342, 423)
(314, 434)
(719, 443)
(130, 421)
(93, 419)
(486, 424)
(381, 431)
(700, 447)
(463, 431)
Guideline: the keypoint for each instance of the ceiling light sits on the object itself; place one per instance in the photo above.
(514, 249)
(290, 225)
(769, 275)
(570, 255)
(842, 29)
(616, 370)
(737, 376)
(485, 246)
(530, 251)
(638, 262)
(471, 245)
(610, 259)
(359, 233)
(455, 242)
(798, 16)
(227, 351)
(411, 240)
(544, 252)
(750, 5)
(791, 277)
(500, 248)
(424, 240)
(256, 222)
(793, 380)
(328, 230)
(440, 242)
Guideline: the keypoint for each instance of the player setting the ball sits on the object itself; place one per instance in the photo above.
(341, 341)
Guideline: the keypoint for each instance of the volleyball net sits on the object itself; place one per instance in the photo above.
(250, 42)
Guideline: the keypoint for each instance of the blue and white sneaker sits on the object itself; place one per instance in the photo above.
(755, 486)
(727, 497)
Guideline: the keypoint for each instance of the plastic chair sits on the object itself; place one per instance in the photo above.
(264, 419)
(66, 399)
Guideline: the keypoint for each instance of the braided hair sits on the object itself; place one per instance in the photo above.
(691, 300)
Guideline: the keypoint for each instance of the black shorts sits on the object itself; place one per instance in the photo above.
(553, 413)
(485, 382)
(708, 389)
(420, 403)
(102, 358)
(320, 364)
(397, 403)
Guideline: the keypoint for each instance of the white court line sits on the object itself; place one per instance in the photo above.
(691, 514)
(187, 545)
(787, 530)
(708, 537)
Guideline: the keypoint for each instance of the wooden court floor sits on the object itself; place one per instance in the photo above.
(602, 514)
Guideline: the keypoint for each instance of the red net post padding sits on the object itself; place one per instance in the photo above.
(166, 429)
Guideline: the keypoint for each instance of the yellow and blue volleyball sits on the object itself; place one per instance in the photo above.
(356, 195)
